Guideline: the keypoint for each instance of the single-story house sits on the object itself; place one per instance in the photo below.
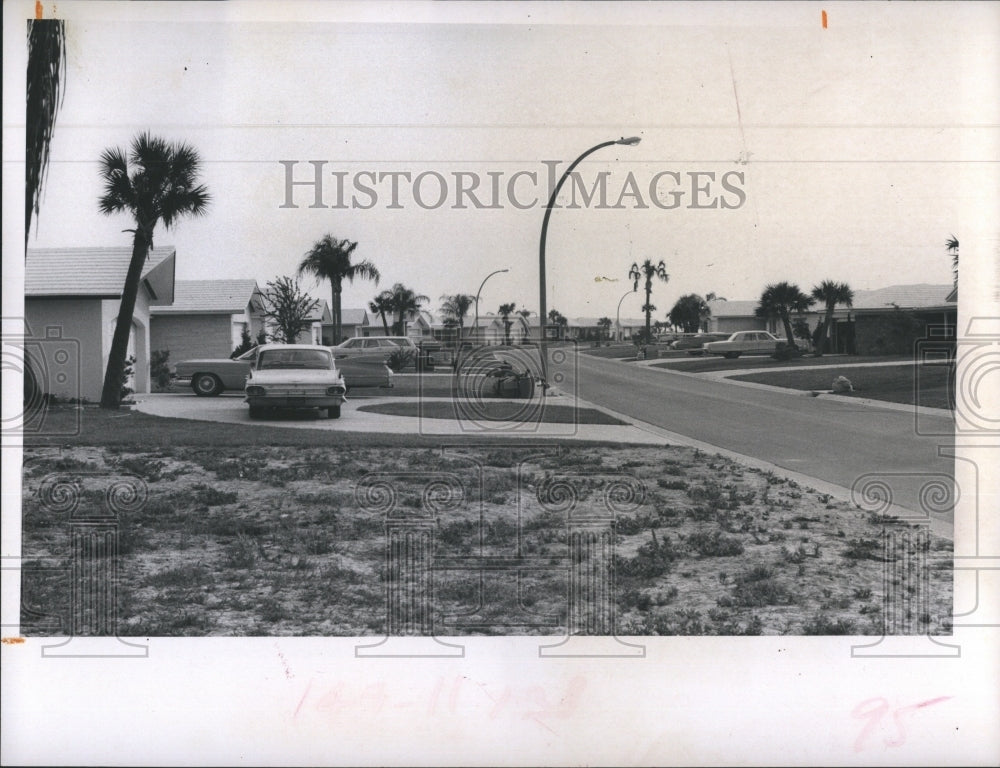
(206, 318)
(71, 302)
(318, 317)
(881, 321)
(353, 322)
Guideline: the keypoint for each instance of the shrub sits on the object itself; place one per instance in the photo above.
(653, 559)
(245, 345)
(159, 369)
(864, 549)
(127, 371)
(823, 625)
(758, 587)
(399, 359)
(714, 544)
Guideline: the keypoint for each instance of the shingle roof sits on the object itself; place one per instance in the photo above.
(905, 296)
(732, 308)
(83, 271)
(353, 316)
(320, 312)
(209, 297)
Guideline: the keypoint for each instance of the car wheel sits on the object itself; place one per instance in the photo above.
(731, 355)
(333, 412)
(256, 412)
(206, 385)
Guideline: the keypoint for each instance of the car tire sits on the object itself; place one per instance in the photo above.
(731, 355)
(256, 412)
(333, 412)
(206, 385)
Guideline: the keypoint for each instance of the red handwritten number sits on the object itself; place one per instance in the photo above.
(874, 710)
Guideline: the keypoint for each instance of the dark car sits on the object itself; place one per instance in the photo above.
(694, 344)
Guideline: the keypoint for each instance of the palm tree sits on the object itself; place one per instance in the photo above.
(156, 181)
(46, 73)
(648, 271)
(330, 259)
(505, 311)
(604, 324)
(404, 303)
(831, 294)
(690, 312)
(381, 305)
(780, 300)
(951, 245)
(455, 308)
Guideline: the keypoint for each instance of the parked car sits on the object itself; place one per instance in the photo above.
(693, 343)
(380, 347)
(214, 376)
(295, 376)
(744, 343)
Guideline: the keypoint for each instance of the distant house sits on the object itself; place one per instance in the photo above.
(318, 318)
(627, 327)
(882, 321)
(206, 318)
(353, 322)
(72, 297)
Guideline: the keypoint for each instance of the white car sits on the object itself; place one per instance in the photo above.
(744, 343)
(294, 376)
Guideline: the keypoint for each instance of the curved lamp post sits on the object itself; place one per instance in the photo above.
(618, 314)
(497, 272)
(542, 309)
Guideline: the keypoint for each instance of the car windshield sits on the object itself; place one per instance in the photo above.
(294, 358)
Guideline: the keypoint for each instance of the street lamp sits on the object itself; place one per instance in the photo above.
(497, 272)
(631, 141)
(618, 314)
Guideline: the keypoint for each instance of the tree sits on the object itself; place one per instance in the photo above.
(951, 244)
(381, 305)
(648, 271)
(505, 311)
(287, 309)
(245, 345)
(780, 300)
(405, 303)
(605, 325)
(156, 181)
(689, 312)
(454, 309)
(45, 92)
(713, 296)
(330, 259)
(831, 294)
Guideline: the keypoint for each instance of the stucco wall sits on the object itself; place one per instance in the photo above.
(66, 338)
(189, 337)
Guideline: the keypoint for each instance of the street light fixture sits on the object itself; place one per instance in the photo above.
(631, 141)
(618, 314)
(497, 272)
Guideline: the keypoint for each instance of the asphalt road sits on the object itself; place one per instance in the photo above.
(839, 442)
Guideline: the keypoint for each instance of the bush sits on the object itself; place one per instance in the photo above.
(400, 359)
(127, 372)
(714, 544)
(245, 345)
(159, 369)
(758, 587)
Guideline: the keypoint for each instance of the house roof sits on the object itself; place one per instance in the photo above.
(918, 296)
(353, 316)
(195, 297)
(96, 272)
(320, 313)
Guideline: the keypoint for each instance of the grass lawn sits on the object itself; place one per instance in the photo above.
(708, 364)
(896, 384)
(501, 411)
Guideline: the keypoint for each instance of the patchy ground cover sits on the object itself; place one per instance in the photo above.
(505, 410)
(710, 364)
(291, 540)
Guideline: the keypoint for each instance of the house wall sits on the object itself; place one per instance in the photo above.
(193, 337)
(66, 344)
(138, 343)
(733, 324)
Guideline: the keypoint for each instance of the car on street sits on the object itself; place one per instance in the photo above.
(694, 343)
(294, 376)
(210, 377)
(744, 343)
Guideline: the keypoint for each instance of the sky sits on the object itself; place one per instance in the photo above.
(853, 147)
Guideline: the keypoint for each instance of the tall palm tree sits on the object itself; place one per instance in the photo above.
(780, 300)
(157, 181)
(45, 92)
(381, 305)
(405, 303)
(648, 270)
(831, 294)
(330, 259)
(951, 245)
(455, 307)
